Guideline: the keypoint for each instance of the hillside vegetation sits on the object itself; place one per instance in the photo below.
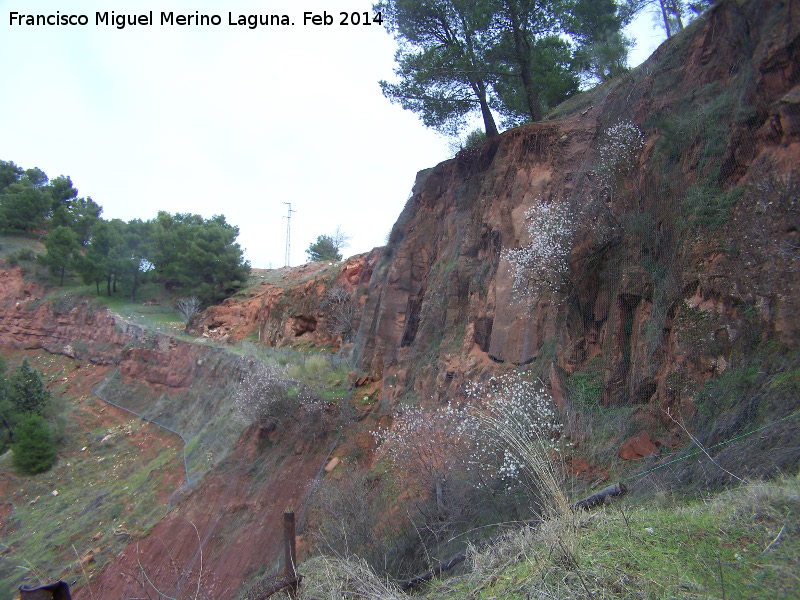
(608, 296)
(183, 252)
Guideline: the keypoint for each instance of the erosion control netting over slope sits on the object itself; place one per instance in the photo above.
(204, 415)
(682, 285)
(652, 280)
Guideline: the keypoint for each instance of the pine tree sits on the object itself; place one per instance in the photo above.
(26, 390)
(33, 448)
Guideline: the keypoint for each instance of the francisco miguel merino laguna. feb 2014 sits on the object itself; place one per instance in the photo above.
(120, 21)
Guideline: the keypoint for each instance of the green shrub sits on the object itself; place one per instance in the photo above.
(24, 255)
(708, 206)
(26, 390)
(475, 138)
(33, 447)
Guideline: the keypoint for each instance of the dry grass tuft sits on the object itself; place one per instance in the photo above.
(331, 578)
(536, 460)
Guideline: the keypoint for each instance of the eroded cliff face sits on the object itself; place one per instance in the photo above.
(688, 258)
(296, 306)
(74, 327)
(675, 268)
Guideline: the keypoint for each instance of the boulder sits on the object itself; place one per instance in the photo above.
(638, 446)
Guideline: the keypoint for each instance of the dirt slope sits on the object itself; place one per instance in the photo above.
(236, 507)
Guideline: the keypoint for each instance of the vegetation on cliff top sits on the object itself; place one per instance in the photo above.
(517, 57)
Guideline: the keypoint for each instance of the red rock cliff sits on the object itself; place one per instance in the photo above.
(693, 251)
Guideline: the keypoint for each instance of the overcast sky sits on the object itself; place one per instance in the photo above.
(222, 119)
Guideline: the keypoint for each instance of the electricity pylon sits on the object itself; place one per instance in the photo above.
(288, 218)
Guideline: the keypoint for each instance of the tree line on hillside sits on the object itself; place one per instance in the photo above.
(185, 252)
(518, 58)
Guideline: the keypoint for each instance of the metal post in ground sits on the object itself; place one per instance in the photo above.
(289, 545)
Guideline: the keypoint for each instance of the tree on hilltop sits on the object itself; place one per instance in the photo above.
(61, 245)
(442, 60)
(199, 256)
(518, 57)
(9, 173)
(94, 265)
(328, 247)
(25, 203)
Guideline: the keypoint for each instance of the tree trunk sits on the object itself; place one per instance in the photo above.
(61, 284)
(97, 284)
(488, 118)
(522, 51)
(478, 85)
(666, 18)
(676, 10)
(135, 284)
(108, 285)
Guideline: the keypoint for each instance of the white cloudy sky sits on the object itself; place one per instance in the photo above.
(221, 120)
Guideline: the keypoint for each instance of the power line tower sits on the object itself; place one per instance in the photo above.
(288, 218)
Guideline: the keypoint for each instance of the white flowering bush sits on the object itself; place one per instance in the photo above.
(424, 443)
(520, 426)
(266, 395)
(510, 401)
(430, 442)
(619, 154)
(541, 264)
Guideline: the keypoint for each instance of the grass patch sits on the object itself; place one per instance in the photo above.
(18, 249)
(740, 544)
(710, 548)
(111, 483)
(708, 206)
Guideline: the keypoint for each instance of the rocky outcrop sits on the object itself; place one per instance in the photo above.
(676, 265)
(65, 325)
(292, 306)
(638, 446)
(73, 326)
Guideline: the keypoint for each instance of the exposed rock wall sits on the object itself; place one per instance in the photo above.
(74, 327)
(289, 308)
(671, 275)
